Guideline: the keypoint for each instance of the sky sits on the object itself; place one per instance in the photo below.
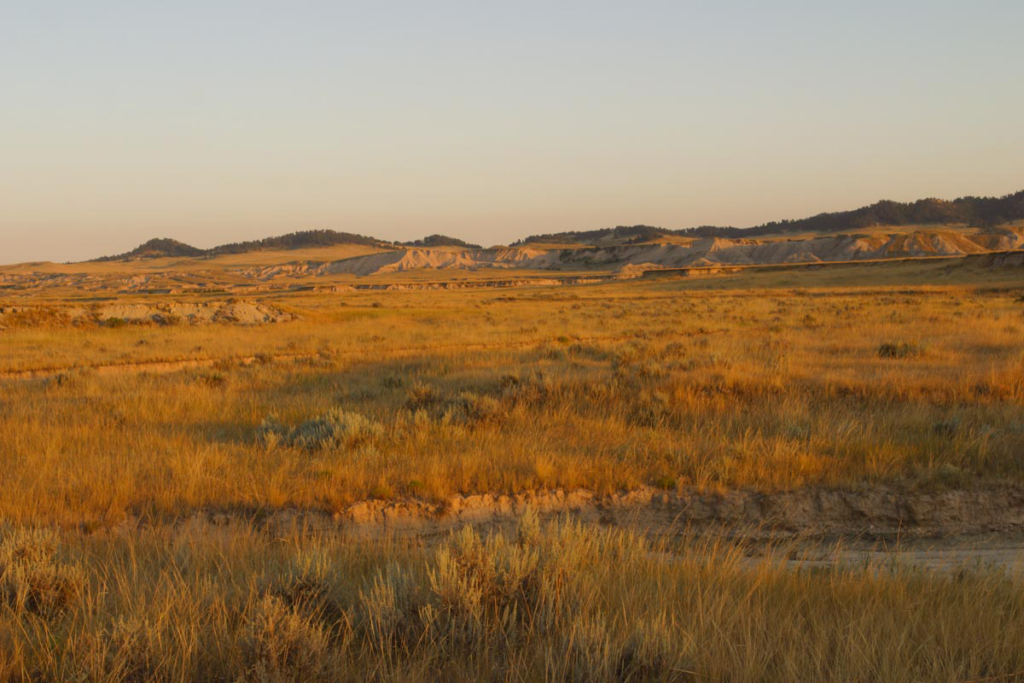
(220, 120)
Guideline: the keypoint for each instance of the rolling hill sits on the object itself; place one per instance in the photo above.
(984, 212)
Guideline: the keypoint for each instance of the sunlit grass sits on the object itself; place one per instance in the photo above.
(508, 393)
(421, 395)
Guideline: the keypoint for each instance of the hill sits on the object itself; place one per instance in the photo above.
(440, 241)
(974, 211)
(980, 212)
(156, 248)
(159, 248)
(296, 240)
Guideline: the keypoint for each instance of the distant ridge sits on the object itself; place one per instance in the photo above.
(440, 241)
(297, 240)
(973, 211)
(159, 248)
(164, 247)
(986, 212)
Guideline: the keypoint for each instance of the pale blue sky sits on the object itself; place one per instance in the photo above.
(217, 121)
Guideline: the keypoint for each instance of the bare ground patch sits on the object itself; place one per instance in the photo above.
(865, 517)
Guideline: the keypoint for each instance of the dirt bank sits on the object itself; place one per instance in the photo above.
(871, 513)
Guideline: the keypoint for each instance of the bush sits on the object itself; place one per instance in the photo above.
(477, 408)
(480, 584)
(391, 610)
(427, 405)
(422, 397)
(593, 655)
(650, 409)
(168, 319)
(308, 586)
(281, 644)
(32, 576)
(336, 429)
(131, 651)
(900, 350)
(211, 379)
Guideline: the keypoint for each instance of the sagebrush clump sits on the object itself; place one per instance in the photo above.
(281, 644)
(33, 576)
(902, 349)
(336, 429)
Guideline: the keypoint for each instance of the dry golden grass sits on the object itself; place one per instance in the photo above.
(755, 382)
(605, 388)
(557, 603)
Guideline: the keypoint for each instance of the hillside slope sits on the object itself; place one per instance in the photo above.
(984, 212)
(164, 247)
(638, 257)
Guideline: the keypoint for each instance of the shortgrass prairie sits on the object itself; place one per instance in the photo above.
(607, 388)
(117, 442)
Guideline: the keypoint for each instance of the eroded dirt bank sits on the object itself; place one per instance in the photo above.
(880, 527)
(876, 513)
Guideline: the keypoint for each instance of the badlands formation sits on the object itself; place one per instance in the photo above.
(390, 266)
(226, 283)
(677, 254)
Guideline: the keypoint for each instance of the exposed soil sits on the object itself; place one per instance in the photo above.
(695, 252)
(877, 512)
(238, 312)
(942, 530)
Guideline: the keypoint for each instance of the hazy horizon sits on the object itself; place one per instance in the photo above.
(239, 121)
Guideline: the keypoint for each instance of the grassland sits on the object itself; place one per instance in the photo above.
(153, 456)
(561, 602)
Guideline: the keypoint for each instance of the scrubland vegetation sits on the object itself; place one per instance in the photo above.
(560, 602)
(606, 389)
(113, 455)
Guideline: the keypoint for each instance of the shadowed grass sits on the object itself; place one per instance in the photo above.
(544, 602)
